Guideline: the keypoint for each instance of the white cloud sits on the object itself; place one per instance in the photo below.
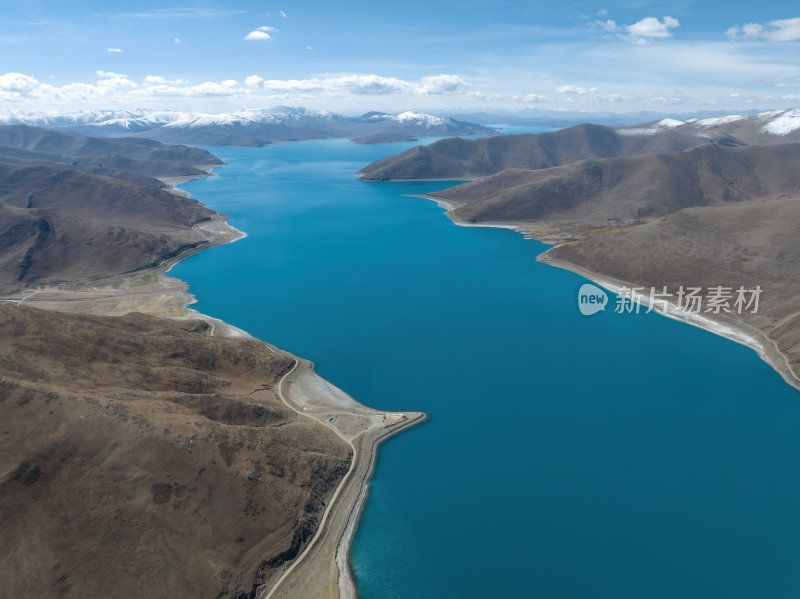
(114, 50)
(163, 80)
(651, 28)
(784, 30)
(608, 25)
(572, 90)
(283, 14)
(483, 96)
(177, 40)
(17, 83)
(268, 29)
(530, 98)
(253, 81)
(354, 84)
(109, 79)
(309, 48)
(441, 84)
(109, 74)
(258, 35)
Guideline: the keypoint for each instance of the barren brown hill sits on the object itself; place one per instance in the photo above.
(472, 158)
(145, 458)
(61, 225)
(134, 159)
(732, 245)
(631, 188)
(704, 217)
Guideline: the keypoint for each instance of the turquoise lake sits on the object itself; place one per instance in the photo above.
(567, 457)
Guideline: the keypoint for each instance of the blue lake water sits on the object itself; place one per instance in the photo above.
(623, 457)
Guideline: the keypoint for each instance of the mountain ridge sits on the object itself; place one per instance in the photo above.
(474, 158)
(254, 127)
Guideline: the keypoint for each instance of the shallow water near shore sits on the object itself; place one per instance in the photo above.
(566, 456)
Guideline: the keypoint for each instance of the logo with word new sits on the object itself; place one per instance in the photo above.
(591, 299)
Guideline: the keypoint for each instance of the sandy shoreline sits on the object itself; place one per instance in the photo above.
(728, 328)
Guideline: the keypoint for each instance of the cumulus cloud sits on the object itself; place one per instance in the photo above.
(17, 83)
(483, 96)
(441, 84)
(261, 33)
(355, 84)
(157, 79)
(283, 14)
(641, 32)
(108, 79)
(573, 90)
(784, 30)
(530, 98)
(253, 81)
(176, 40)
(370, 85)
(651, 28)
(119, 89)
(258, 35)
(607, 25)
(114, 50)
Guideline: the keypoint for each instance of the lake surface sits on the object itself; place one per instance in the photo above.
(612, 456)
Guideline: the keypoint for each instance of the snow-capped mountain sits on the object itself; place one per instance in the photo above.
(249, 127)
(765, 127)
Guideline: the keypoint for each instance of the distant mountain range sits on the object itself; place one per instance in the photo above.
(251, 127)
(470, 159)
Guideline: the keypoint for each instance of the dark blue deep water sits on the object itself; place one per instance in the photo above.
(608, 457)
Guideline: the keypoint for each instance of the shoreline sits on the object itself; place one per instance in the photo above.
(322, 571)
(152, 292)
(339, 513)
(729, 329)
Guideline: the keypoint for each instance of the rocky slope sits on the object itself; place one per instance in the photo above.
(143, 457)
(132, 159)
(61, 225)
(625, 189)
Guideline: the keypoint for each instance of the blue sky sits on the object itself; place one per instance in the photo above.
(437, 55)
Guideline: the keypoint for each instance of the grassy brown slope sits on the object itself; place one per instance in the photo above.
(631, 188)
(144, 458)
(135, 159)
(751, 244)
(61, 225)
(472, 158)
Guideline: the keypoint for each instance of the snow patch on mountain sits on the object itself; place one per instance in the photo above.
(783, 123)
